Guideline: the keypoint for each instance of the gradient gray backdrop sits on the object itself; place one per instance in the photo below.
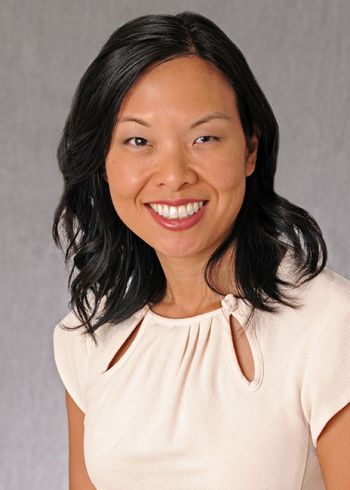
(299, 52)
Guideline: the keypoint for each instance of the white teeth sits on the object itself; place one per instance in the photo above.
(182, 211)
(177, 212)
(173, 214)
(164, 211)
(189, 209)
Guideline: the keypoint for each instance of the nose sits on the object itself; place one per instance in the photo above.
(174, 168)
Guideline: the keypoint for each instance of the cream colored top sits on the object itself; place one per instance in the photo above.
(176, 412)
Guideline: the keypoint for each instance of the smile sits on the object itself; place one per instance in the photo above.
(177, 212)
(178, 218)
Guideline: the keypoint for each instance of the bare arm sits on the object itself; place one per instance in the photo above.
(78, 476)
(333, 450)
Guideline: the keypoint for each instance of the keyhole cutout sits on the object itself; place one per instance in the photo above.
(242, 348)
(124, 347)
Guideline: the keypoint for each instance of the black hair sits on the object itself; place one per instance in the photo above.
(116, 268)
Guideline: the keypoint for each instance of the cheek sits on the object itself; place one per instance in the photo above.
(124, 181)
(123, 189)
(228, 176)
(229, 181)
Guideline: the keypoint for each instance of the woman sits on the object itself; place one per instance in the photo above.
(207, 343)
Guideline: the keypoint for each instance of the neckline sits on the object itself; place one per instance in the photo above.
(182, 320)
(229, 304)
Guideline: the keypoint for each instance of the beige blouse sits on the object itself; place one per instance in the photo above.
(177, 413)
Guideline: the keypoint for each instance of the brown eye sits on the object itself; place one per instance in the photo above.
(209, 136)
(136, 138)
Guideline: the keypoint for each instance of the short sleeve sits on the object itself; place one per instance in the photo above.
(71, 358)
(326, 381)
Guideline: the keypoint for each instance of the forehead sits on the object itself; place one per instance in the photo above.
(186, 83)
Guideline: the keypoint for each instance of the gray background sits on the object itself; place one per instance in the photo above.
(299, 53)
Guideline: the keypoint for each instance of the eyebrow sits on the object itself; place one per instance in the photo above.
(204, 119)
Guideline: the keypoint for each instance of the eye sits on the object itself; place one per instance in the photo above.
(209, 136)
(136, 138)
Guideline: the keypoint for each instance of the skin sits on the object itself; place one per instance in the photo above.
(174, 161)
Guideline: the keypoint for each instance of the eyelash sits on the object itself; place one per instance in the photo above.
(139, 137)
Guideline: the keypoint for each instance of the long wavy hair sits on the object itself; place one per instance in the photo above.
(114, 272)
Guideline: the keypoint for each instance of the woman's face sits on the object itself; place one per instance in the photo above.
(168, 157)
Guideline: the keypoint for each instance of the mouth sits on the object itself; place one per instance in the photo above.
(179, 212)
(179, 223)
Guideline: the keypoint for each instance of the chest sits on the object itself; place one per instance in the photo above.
(239, 341)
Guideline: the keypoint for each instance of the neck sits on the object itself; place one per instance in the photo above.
(187, 291)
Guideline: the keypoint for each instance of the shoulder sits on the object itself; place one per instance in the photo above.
(76, 354)
(329, 281)
(327, 295)
(323, 298)
(322, 306)
(325, 360)
(68, 333)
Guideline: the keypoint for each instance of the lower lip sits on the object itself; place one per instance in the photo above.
(178, 224)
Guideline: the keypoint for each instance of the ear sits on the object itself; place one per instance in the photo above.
(251, 155)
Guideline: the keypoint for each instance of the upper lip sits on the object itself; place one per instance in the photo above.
(178, 202)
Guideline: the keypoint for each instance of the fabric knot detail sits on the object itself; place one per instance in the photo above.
(141, 313)
(230, 303)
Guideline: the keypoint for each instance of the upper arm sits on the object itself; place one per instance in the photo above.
(333, 450)
(78, 476)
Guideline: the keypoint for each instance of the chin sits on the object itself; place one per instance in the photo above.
(178, 250)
